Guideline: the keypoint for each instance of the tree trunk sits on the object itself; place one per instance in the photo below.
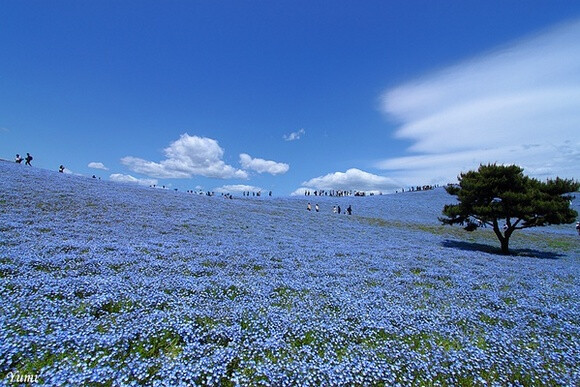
(503, 239)
(505, 245)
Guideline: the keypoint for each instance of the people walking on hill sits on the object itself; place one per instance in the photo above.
(18, 159)
(28, 159)
(349, 210)
(316, 207)
(309, 207)
(61, 168)
(338, 209)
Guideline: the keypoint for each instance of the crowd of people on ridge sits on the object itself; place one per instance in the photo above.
(419, 188)
(226, 195)
(338, 193)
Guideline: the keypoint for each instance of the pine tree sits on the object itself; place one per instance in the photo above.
(496, 192)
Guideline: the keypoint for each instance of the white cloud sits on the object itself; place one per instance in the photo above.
(261, 165)
(186, 157)
(301, 191)
(353, 179)
(130, 179)
(517, 105)
(97, 165)
(237, 188)
(294, 135)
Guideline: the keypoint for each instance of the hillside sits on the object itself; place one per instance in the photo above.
(119, 283)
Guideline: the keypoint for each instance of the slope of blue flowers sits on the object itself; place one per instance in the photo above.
(118, 284)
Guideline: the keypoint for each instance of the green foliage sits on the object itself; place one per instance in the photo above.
(165, 342)
(496, 193)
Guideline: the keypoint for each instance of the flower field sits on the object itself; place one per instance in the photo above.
(117, 284)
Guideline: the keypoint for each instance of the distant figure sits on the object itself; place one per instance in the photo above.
(18, 159)
(316, 207)
(334, 209)
(28, 159)
(578, 227)
(61, 168)
(338, 209)
(309, 207)
(349, 210)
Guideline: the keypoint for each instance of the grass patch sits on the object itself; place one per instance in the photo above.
(165, 342)
(206, 322)
(416, 270)
(214, 264)
(421, 342)
(286, 297)
(45, 267)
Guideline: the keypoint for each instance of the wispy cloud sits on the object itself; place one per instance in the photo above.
(519, 104)
(186, 157)
(353, 179)
(97, 165)
(261, 165)
(130, 179)
(294, 135)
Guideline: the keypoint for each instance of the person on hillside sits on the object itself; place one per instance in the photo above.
(309, 207)
(578, 227)
(61, 168)
(338, 209)
(28, 159)
(317, 208)
(349, 210)
(18, 159)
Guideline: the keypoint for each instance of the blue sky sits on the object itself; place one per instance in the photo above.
(290, 95)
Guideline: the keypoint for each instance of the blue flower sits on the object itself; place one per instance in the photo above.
(105, 282)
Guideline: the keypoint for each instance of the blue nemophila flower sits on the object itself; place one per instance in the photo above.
(112, 283)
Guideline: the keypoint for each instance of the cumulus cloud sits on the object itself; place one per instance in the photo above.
(97, 165)
(294, 135)
(261, 165)
(186, 157)
(353, 179)
(237, 188)
(519, 104)
(301, 191)
(130, 179)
